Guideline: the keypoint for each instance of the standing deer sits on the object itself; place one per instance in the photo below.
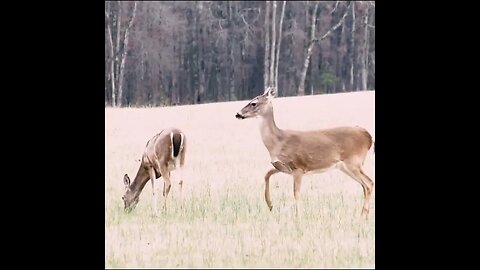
(298, 153)
(163, 153)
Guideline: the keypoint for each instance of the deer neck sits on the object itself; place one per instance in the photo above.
(271, 134)
(139, 182)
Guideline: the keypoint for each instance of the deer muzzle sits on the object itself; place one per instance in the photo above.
(239, 116)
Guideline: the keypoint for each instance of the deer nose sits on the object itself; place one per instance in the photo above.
(239, 116)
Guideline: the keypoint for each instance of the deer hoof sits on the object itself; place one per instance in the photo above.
(365, 215)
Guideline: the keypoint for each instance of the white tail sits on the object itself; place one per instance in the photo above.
(304, 152)
(163, 153)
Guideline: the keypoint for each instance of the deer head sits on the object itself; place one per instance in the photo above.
(258, 106)
(130, 200)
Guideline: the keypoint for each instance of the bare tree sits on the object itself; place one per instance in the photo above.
(211, 51)
(111, 61)
(266, 77)
(303, 74)
(279, 43)
(272, 46)
(352, 51)
(118, 56)
(230, 41)
(313, 41)
(124, 55)
(364, 55)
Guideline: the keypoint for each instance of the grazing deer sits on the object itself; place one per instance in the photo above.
(298, 153)
(163, 153)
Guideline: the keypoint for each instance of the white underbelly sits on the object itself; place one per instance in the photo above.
(334, 166)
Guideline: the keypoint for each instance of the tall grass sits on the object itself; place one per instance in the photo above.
(223, 220)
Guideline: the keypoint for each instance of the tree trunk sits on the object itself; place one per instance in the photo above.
(301, 87)
(194, 46)
(124, 55)
(352, 51)
(112, 60)
(266, 64)
(231, 41)
(364, 62)
(176, 65)
(373, 65)
(342, 59)
(306, 63)
(142, 69)
(201, 69)
(272, 47)
(117, 48)
(278, 46)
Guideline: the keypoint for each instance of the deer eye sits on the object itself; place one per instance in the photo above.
(254, 104)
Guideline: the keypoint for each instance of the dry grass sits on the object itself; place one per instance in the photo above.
(225, 221)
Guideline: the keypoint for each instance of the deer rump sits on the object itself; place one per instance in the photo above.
(176, 141)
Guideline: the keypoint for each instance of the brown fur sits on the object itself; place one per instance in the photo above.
(155, 162)
(300, 152)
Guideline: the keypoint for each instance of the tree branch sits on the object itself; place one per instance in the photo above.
(124, 54)
(335, 8)
(335, 26)
(243, 19)
(248, 29)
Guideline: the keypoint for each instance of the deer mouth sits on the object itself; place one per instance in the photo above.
(129, 209)
(239, 116)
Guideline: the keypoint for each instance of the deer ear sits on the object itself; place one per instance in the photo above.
(270, 92)
(267, 90)
(126, 181)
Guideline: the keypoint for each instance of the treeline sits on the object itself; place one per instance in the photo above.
(166, 53)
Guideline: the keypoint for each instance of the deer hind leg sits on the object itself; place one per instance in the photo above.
(182, 163)
(151, 172)
(166, 189)
(297, 184)
(166, 184)
(180, 186)
(353, 169)
(179, 167)
(267, 187)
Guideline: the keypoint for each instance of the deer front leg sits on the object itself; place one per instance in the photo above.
(267, 187)
(281, 166)
(166, 186)
(297, 183)
(151, 172)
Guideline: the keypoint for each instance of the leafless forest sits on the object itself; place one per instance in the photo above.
(168, 53)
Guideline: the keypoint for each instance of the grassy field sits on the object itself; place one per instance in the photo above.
(224, 221)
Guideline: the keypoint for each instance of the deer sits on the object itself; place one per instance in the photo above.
(164, 152)
(299, 153)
